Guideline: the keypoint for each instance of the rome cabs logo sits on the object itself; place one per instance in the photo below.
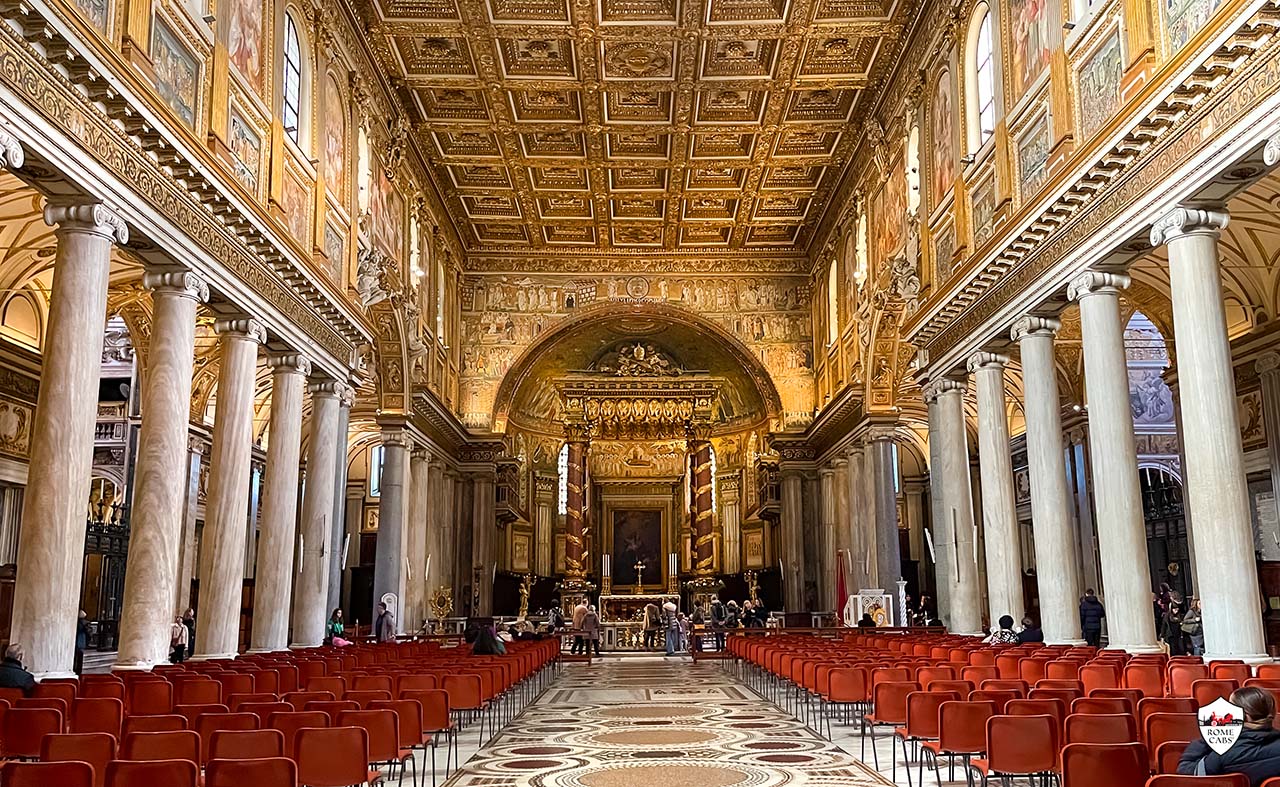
(1220, 724)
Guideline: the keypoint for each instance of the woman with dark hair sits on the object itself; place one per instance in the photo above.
(1005, 635)
(1256, 752)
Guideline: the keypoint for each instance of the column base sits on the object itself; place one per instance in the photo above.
(212, 656)
(1136, 648)
(301, 645)
(1072, 642)
(1251, 659)
(259, 651)
(143, 667)
(39, 676)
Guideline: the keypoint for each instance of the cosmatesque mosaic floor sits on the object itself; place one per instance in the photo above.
(657, 723)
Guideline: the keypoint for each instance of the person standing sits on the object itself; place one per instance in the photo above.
(671, 622)
(177, 641)
(579, 616)
(82, 641)
(1091, 615)
(1171, 630)
(718, 616)
(384, 628)
(1193, 627)
(591, 630)
(189, 620)
(651, 624)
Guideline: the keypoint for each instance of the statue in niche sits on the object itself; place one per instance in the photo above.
(906, 283)
(369, 271)
(638, 360)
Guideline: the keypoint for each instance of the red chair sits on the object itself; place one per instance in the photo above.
(383, 727)
(192, 713)
(1099, 676)
(1182, 676)
(22, 729)
(333, 756)
(263, 710)
(210, 723)
(1102, 705)
(1162, 727)
(199, 691)
(374, 683)
(1230, 670)
(1206, 691)
(923, 714)
(1052, 708)
(1150, 705)
(104, 688)
(246, 744)
(299, 699)
(466, 697)
(95, 748)
(332, 708)
(1019, 746)
(170, 773)
(1102, 728)
(888, 710)
(926, 676)
(1146, 678)
(1169, 754)
(177, 745)
(289, 723)
(154, 723)
(962, 730)
(97, 714)
(334, 685)
(998, 698)
(437, 721)
(1112, 764)
(1132, 695)
(260, 772)
(363, 698)
(416, 683)
(1268, 671)
(1019, 686)
(976, 674)
(55, 690)
(1229, 780)
(47, 774)
(236, 700)
(150, 698)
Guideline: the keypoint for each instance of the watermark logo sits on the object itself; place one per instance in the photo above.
(1221, 724)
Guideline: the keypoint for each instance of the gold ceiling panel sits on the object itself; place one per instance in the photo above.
(571, 128)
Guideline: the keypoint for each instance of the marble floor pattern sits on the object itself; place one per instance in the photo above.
(653, 722)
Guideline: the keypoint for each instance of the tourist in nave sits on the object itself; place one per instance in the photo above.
(488, 643)
(1256, 752)
(652, 623)
(731, 615)
(335, 628)
(579, 616)
(865, 622)
(13, 675)
(177, 641)
(591, 630)
(82, 641)
(189, 620)
(1091, 615)
(1171, 626)
(384, 628)
(1005, 635)
(671, 624)
(1030, 632)
(1193, 628)
(718, 615)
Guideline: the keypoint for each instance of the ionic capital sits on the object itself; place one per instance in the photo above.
(987, 361)
(325, 389)
(826, 472)
(1094, 282)
(420, 455)
(242, 327)
(879, 433)
(290, 363)
(1271, 151)
(346, 395)
(1268, 363)
(12, 155)
(1034, 325)
(397, 438)
(1188, 221)
(944, 385)
(184, 284)
(92, 218)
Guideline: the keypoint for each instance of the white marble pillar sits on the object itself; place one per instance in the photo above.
(999, 512)
(544, 519)
(187, 568)
(415, 576)
(315, 531)
(393, 510)
(827, 539)
(339, 521)
(792, 523)
(1122, 535)
(731, 522)
(1057, 569)
(484, 550)
(862, 522)
(882, 469)
(955, 536)
(1215, 486)
(844, 525)
(51, 548)
(159, 490)
(449, 535)
(222, 547)
(938, 513)
(1268, 367)
(273, 586)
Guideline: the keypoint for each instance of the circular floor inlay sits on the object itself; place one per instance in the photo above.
(650, 711)
(772, 745)
(541, 751)
(788, 759)
(643, 737)
(666, 775)
(531, 765)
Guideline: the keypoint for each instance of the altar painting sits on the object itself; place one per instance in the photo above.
(637, 537)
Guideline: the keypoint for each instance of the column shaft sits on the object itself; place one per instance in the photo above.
(483, 554)
(862, 523)
(1057, 570)
(416, 579)
(827, 540)
(792, 523)
(1216, 492)
(388, 567)
(704, 540)
(954, 535)
(159, 491)
(339, 521)
(575, 505)
(883, 471)
(1122, 536)
(999, 513)
(311, 592)
(222, 547)
(273, 584)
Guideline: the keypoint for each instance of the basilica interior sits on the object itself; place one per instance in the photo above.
(482, 309)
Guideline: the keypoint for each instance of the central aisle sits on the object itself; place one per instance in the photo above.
(650, 722)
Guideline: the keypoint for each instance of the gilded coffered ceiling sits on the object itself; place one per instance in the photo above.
(636, 129)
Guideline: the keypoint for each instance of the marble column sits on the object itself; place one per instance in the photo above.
(485, 531)
(187, 568)
(792, 523)
(393, 508)
(325, 449)
(999, 512)
(883, 471)
(222, 546)
(938, 514)
(273, 585)
(954, 535)
(704, 540)
(862, 522)
(575, 561)
(731, 523)
(415, 578)
(339, 527)
(159, 490)
(1268, 367)
(436, 535)
(51, 549)
(544, 519)
(1215, 485)
(1122, 535)
(827, 539)
(1057, 570)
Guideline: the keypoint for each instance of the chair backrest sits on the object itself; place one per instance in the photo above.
(1150, 705)
(1224, 780)
(150, 698)
(236, 700)
(1102, 728)
(335, 685)
(998, 698)
(173, 745)
(1169, 754)
(170, 773)
(299, 699)
(1146, 678)
(1112, 764)
(104, 688)
(1205, 691)
(923, 712)
(962, 726)
(372, 683)
(22, 729)
(1002, 684)
(154, 723)
(1182, 676)
(97, 714)
(332, 707)
(383, 727)
(192, 713)
(332, 756)
(850, 684)
(1101, 705)
(290, 723)
(409, 713)
(245, 744)
(891, 700)
(435, 708)
(260, 772)
(1022, 744)
(46, 689)
(199, 691)
(1099, 676)
(1162, 727)
(961, 687)
(414, 682)
(264, 709)
(95, 748)
(209, 723)
(466, 692)
(1230, 670)
(45, 774)
(363, 698)
(1053, 708)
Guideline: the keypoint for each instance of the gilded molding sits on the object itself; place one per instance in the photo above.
(12, 155)
(1188, 221)
(983, 360)
(1091, 282)
(88, 217)
(182, 283)
(242, 327)
(294, 363)
(1034, 325)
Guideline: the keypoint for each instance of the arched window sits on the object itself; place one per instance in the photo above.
(440, 292)
(833, 302)
(860, 273)
(981, 91)
(562, 470)
(292, 91)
